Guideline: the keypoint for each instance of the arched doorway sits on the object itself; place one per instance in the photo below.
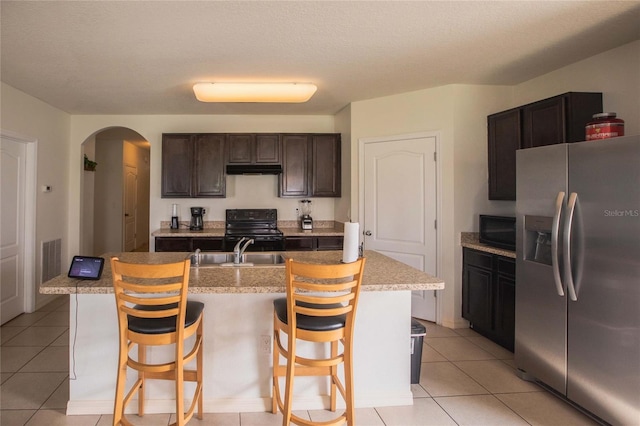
(115, 194)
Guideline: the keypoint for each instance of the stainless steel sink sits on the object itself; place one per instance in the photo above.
(208, 260)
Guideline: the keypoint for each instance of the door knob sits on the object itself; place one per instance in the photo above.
(367, 233)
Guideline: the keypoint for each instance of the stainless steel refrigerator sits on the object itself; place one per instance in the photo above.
(578, 273)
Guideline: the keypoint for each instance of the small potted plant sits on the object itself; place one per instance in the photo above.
(89, 165)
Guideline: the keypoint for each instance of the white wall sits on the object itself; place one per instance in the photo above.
(32, 118)
(138, 157)
(342, 210)
(459, 113)
(615, 73)
(242, 191)
(88, 192)
(108, 196)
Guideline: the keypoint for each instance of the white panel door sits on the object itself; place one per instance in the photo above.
(12, 170)
(130, 207)
(400, 207)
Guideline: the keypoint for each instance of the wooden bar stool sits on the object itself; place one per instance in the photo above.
(320, 307)
(153, 310)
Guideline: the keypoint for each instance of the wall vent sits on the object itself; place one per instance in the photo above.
(51, 259)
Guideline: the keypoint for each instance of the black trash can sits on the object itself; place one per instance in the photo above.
(418, 331)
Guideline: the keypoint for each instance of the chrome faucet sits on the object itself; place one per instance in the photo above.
(196, 256)
(239, 249)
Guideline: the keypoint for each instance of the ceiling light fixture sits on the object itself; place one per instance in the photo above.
(254, 92)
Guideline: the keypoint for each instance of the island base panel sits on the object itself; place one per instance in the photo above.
(237, 367)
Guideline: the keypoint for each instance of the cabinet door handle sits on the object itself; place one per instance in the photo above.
(367, 233)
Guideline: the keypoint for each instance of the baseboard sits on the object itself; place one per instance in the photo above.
(236, 405)
(457, 323)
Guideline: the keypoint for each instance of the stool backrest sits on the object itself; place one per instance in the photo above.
(323, 290)
(159, 289)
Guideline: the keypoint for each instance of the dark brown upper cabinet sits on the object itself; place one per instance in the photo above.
(311, 165)
(294, 180)
(193, 165)
(254, 148)
(209, 176)
(326, 165)
(177, 165)
(560, 119)
(504, 140)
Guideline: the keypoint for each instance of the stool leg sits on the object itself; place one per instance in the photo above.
(179, 375)
(142, 357)
(334, 374)
(348, 379)
(276, 367)
(118, 405)
(200, 365)
(288, 392)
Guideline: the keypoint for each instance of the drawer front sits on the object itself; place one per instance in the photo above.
(330, 243)
(299, 243)
(173, 244)
(506, 266)
(478, 258)
(207, 244)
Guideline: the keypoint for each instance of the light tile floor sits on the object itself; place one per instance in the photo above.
(465, 380)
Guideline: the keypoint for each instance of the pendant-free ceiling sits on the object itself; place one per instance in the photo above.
(254, 92)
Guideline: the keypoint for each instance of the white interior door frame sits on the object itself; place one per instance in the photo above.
(361, 190)
(29, 246)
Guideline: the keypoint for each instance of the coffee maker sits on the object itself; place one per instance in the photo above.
(305, 221)
(196, 218)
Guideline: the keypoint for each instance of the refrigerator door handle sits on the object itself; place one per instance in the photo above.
(555, 230)
(571, 207)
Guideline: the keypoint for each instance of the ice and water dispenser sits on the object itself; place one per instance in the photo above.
(537, 239)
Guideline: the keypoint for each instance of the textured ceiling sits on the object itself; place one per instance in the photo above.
(142, 57)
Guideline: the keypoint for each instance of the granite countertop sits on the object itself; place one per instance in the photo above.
(315, 232)
(381, 273)
(471, 240)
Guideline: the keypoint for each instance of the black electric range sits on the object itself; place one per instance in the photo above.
(260, 225)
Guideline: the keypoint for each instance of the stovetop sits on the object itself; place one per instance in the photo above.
(249, 232)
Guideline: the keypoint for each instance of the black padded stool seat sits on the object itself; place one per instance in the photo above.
(306, 322)
(166, 324)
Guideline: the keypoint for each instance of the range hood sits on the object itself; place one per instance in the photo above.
(254, 169)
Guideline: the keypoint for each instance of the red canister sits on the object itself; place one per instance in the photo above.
(604, 126)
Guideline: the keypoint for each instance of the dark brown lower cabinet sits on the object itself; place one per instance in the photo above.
(207, 244)
(329, 243)
(189, 244)
(488, 295)
(313, 243)
(299, 243)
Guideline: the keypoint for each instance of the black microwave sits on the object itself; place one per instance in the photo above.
(498, 231)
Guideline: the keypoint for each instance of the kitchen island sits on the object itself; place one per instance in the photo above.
(238, 335)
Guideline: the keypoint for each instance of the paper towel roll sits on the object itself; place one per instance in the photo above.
(174, 210)
(350, 246)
